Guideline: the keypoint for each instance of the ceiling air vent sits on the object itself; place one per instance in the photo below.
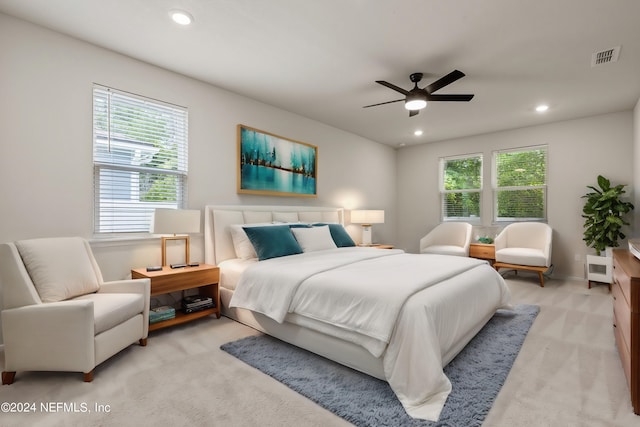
(605, 56)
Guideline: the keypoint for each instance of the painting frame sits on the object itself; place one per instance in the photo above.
(273, 165)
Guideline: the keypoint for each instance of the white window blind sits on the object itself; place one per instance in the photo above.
(139, 159)
(520, 184)
(461, 187)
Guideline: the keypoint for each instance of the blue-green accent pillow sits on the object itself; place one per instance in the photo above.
(339, 234)
(272, 241)
(299, 225)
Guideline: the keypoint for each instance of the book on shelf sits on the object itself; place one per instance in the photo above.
(158, 314)
(188, 310)
(196, 300)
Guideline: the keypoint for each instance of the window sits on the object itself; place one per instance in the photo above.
(139, 159)
(461, 187)
(520, 184)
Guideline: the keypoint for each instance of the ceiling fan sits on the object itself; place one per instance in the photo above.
(416, 98)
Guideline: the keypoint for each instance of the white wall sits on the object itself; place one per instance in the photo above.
(46, 175)
(579, 150)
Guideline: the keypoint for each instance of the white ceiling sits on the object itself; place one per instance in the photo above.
(320, 58)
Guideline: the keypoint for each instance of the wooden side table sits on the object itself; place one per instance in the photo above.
(483, 251)
(381, 246)
(204, 277)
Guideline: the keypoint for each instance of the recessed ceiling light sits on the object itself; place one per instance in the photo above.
(418, 132)
(542, 108)
(181, 17)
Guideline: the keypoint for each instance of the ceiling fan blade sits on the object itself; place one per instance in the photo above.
(413, 113)
(449, 97)
(382, 103)
(392, 86)
(444, 81)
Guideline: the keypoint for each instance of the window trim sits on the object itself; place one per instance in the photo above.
(443, 192)
(140, 228)
(495, 189)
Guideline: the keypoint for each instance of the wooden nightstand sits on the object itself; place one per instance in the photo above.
(381, 246)
(483, 251)
(204, 277)
(377, 246)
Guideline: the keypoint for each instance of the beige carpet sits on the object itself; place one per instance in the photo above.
(567, 374)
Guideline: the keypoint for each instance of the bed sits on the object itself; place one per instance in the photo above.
(396, 316)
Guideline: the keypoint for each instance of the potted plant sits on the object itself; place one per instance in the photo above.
(604, 212)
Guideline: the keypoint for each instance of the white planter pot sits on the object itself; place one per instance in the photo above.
(599, 268)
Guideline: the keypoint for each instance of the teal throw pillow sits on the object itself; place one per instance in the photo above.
(273, 241)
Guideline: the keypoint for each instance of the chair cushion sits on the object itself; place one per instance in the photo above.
(444, 250)
(110, 310)
(522, 256)
(60, 268)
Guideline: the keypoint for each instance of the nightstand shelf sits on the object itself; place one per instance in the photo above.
(204, 277)
(182, 318)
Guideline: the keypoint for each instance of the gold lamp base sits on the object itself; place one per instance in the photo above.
(186, 248)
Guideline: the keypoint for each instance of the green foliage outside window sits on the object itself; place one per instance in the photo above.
(521, 184)
(146, 126)
(459, 175)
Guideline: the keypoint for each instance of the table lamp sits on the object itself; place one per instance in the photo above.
(175, 221)
(366, 218)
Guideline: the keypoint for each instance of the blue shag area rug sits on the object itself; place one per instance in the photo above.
(476, 374)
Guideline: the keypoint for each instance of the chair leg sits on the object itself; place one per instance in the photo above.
(143, 342)
(8, 377)
(541, 279)
(88, 376)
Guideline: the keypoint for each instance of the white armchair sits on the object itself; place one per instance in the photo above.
(448, 238)
(59, 315)
(524, 246)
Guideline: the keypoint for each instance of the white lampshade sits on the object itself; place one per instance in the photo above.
(175, 221)
(367, 217)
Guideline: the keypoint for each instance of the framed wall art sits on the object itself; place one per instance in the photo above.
(273, 165)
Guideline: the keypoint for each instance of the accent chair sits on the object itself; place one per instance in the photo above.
(448, 238)
(59, 315)
(525, 246)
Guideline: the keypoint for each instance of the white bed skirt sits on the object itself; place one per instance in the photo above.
(343, 352)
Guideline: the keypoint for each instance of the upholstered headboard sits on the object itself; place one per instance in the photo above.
(218, 245)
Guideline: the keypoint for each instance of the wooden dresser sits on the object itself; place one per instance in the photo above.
(626, 318)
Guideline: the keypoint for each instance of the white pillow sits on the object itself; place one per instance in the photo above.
(59, 268)
(314, 238)
(241, 243)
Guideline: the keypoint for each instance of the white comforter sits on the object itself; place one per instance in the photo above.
(389, 296)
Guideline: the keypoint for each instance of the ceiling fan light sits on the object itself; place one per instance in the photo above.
(415, 104)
